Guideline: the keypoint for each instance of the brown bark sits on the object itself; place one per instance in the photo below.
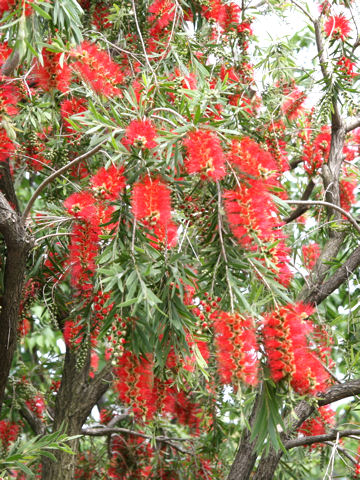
(18, 244)
(76, 397)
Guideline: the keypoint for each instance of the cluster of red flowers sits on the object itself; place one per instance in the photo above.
(286, 340)
(134, 384)
(346, 66)
(337, 26)
(226, 15)
(325, 418)
(162, 14)
(347, 186)
(71, 107)
(236, 349)
(204, 154)
(152, 206)
(97, 69)
(36, 405)
(140, 134)
(9, 432)
(292, 105)
(8, 5)
(316, 150)
(52, 74)
(108, 183)
(274, 137)
(7, 147)
(251, 212)
(311, 253)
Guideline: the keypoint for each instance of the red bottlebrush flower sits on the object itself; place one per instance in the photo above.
(316, 150)
(251, 213)
(252, 160)
(37, 406)
(236, 349)
(108, 183)
(94, 364)
(97, 69)
(151, 201)
(72, 333)
(162, 236)
(69, 108)
(289, 352)
(6, 146)
(347, 187)
(346, 66)
(134, 383)
(279, 256)
(292, 105)
(100, 20)
(9, 96)
(83, 250)
(204, 154)
(274, 137)
(325, 418)
(337, 26)
(233, 17)
(215, 11)
(311, 253)
(52, 75)
(82, 206)
(140, 134)
(162, 14)
(24, 327)
(9, 432)
(6, 5)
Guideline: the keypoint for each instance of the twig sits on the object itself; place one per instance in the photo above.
(302, 208)
(326, 204)
(333, 435)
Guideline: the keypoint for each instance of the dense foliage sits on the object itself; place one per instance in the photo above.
(178, 210)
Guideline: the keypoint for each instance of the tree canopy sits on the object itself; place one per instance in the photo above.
(179, 239)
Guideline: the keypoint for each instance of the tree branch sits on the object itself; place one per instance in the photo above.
(326, 204)
(101, 431)
(333, 435)
(351, 124)
(57, 174)
(302, 208)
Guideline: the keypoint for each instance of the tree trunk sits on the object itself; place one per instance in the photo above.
(76, 397)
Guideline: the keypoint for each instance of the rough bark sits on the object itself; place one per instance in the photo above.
(76, 397)
(18, 244)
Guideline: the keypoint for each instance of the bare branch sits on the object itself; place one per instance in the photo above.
(302, 208)
(326, 204)
(351, 124)
(333, 435)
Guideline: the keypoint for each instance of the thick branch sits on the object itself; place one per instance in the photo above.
(342, 274)
(35, 423)
(57, 174)
(309, 203)
(351, 124)
(101, 431)
(333, 435)
(18, 244)
(301, 208)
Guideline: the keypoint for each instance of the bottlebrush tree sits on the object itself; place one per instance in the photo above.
(179, 238)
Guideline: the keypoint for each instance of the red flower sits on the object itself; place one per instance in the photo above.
(347, 187)
(163, 12)
(236, 348)
(52, 75)
(140, 134)
(346, 66)
(325, 418)
(82, 206)
(311, 253)
(204, 154)
(151, 201)
(6, 145)
(289, 352)
(292, 105)
(337, 26)
(316, 151)
(97, 69)
(108, 183)
(71, 107)
(9, 432)
(134, 383)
